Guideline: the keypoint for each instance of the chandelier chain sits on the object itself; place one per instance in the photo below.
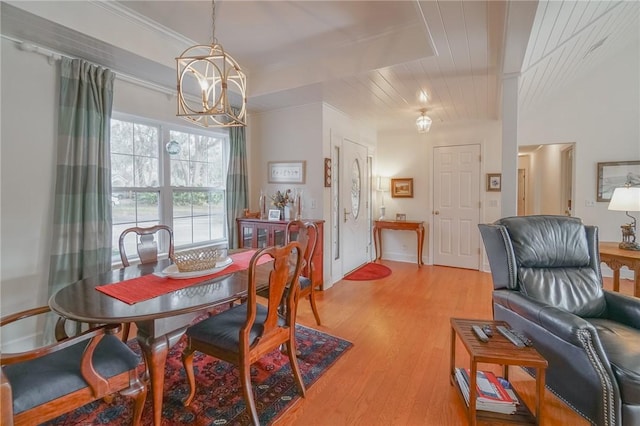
(213, 22)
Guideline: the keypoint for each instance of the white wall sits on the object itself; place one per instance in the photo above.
(600, 113)
(408, 154)
(27, 147)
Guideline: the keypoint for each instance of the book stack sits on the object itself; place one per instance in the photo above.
(493, 393)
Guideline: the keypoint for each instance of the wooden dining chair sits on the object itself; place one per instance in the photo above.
(306, 233)
(43, 383)
(147, 248)
(245, 333)
(146, 244)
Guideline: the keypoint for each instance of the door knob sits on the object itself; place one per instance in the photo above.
(346, 213)
(436, 212)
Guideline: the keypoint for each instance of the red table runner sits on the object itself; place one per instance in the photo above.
(149, 286)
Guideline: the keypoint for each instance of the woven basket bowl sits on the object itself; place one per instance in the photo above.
(196, 259)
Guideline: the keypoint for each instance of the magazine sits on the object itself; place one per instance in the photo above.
(491, 393)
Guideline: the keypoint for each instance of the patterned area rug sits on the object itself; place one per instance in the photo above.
(370, 271)
(218, 399)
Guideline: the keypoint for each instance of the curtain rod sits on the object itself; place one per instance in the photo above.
(54, 56)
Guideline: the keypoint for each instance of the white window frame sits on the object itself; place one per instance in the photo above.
(165, 203)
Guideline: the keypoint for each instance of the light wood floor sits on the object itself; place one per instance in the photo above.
(397, 371)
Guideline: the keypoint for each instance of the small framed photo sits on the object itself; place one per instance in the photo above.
(402, 188)
(494, 182)
(401, 217)
(274, 214)
(287, 171)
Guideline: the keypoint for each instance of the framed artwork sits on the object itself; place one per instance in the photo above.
(327, 172)
(402, 188)
(494, 182)
(274, 214)
(286, 171)
(616, 174)
(401, 217)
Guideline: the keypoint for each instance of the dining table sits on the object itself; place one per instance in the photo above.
(161, 319)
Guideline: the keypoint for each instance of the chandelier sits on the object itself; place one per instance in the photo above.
(423, 123)
(210, 72)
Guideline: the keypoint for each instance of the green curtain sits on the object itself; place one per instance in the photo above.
(81, 245)
(237, 187)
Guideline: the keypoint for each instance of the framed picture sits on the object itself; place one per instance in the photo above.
(615, 174)
(274, 214)
(286, 171)
(401, 217)
(494, 182)
(402, 188)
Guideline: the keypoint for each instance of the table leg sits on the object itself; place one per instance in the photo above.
(616, 279)
(420, 232)
(155, 351)
(452, 357)
(540, 383)
(473, 374)
(636, 287)
(377, 240)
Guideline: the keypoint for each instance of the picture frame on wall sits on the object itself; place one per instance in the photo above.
(615, 174)
(286, 171)
(494, 182)
(402, 188)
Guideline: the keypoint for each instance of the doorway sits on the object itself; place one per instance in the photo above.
(547, 184)
(456, 206)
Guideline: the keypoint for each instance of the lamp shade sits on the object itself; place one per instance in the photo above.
(625, 199)
(383, 184)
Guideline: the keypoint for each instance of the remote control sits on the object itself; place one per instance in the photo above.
(479, 333)
(487, 330)
(520, 335)
(510, 336)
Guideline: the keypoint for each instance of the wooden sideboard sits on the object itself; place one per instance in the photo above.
(259, 233)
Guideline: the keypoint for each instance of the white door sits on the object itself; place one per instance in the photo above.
(456, 203)
(354, 208)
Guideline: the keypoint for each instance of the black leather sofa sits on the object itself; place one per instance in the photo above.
(548, 284)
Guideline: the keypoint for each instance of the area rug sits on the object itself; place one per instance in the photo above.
(370, 271)
(218, 399)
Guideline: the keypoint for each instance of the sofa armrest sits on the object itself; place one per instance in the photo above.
(623, 309)
(560, 323)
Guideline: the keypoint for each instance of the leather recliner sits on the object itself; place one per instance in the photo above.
(548, 284)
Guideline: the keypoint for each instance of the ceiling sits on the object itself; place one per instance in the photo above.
(369, 59)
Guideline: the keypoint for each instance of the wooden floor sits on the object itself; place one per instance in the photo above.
(397, 371)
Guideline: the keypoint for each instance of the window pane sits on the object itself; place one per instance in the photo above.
(146, 172)
(121, 170)
(182, 231)
(147, 206)
(121, 137)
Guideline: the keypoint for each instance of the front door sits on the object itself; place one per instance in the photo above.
(354, 209)
(456, 203)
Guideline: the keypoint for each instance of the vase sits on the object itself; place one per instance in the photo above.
(286, 211)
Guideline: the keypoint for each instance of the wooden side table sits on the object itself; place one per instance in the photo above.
(398, 225)
(498, 350)
(616, 258)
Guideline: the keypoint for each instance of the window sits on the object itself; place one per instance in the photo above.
(185, 190)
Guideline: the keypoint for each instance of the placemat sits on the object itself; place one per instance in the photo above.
(149, 286)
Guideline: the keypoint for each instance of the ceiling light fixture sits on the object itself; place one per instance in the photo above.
(423, 123)
(209, 71)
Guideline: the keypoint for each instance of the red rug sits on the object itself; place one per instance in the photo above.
(368, 272)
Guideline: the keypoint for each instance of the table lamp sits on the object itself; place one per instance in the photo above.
(383, 185)
(627, 199)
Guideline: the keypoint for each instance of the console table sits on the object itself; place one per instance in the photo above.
(398, 225)
(616, 258)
